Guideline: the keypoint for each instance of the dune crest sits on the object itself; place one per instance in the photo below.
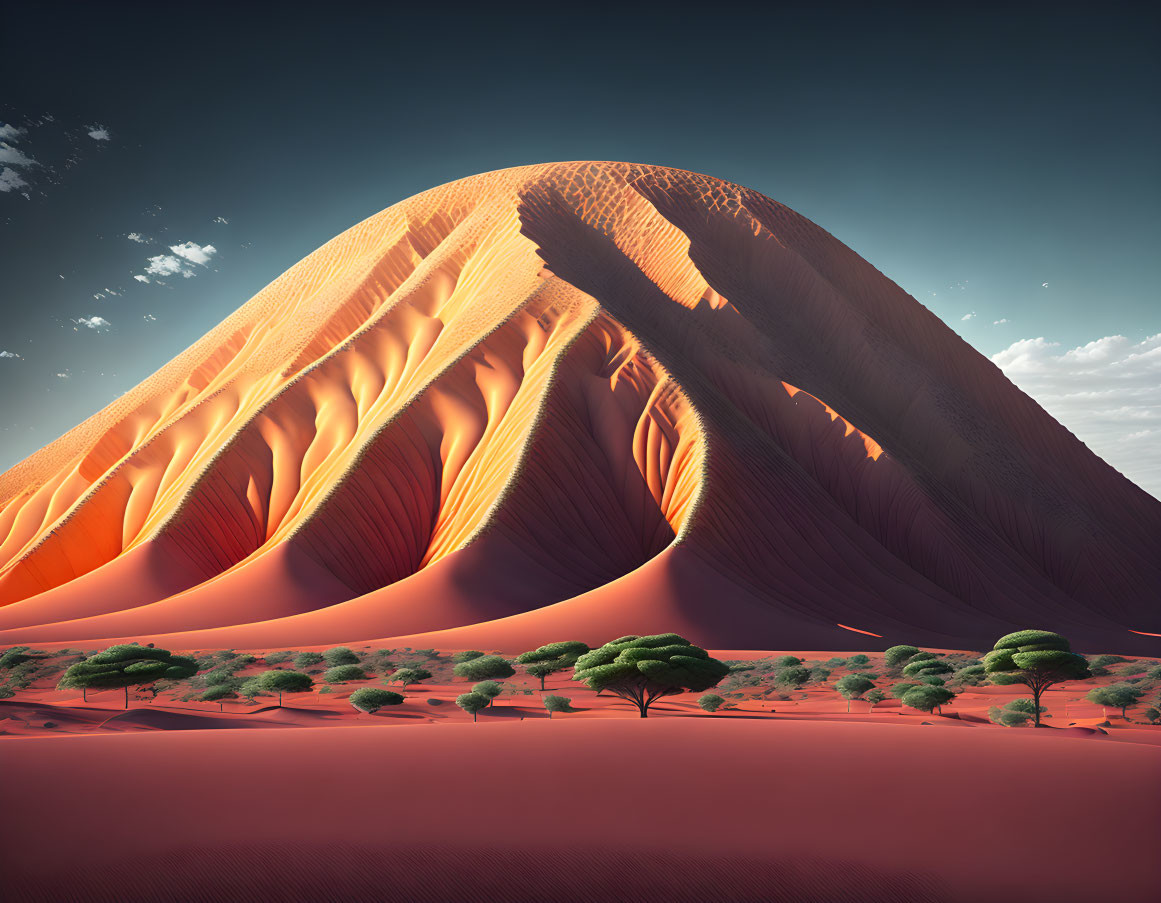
(577, 399)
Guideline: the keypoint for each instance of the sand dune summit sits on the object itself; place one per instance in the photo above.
(574, 401)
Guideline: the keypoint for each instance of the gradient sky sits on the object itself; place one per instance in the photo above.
(971, 156)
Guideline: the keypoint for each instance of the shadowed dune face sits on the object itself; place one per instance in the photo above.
(579, 399)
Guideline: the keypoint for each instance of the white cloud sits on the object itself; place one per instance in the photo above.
(92, 322)
(8, 131)
(137, 237)
(141, 278)
(164, 265)
(10, 179)
(10, 354)
(222, 220)
(194, 253)
(999, 321)
(968, 316)
(64, 375)
(1108, 392)
(183, 260)
(98, 132)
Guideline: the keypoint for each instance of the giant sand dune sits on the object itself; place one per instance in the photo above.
(577, 400)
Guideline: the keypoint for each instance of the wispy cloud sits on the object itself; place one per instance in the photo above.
(97, 132)
(222, 220)
(968, 316)
(999, 321)
(9, 132)
(10, 179)
(10, 354)
(182, 260)
(137, 237)
(1108, 392)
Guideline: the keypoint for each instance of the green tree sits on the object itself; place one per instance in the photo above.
(277, 658)
(485, 667)
(342, 673)
(787, 661)
(125, 666)
(217, 694)
(897, 656)
(1116, 696)
(927, 698)
(407, 676)
(791, 677)
(875, 697)
(1152, 715)
(466, 656)
(898, 690)
(552, 658)
(340, 655)
(557, 704)
(284, 682)
(1036, 658)
(489, 689)
(928, 667)
(643, 669)
(711, 702)
(307, 659)
(371, 699)
(853, 686)
(473, 703)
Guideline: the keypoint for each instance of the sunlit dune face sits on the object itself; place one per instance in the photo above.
(566, 375)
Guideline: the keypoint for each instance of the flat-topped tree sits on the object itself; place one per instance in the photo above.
(489, 689)
(371, 699)
(551, 658)
(643, 669)
(486, 667)
(284, 682)
(927, 698)
(473, 703)
(1036, 658)
(853, 686)
(897, 656)
(127, 665)
(1116, 696)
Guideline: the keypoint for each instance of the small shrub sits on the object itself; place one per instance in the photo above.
(858, 661)
(786, 661)
(837, 662)
(897, 656)
(307, 659)
(277, 658)
(342, 673)
(485, 667)
(820, 674)
(791, 677)
(371, 699)
(1103, 661)
(340, 655)
(557, 704)
(711, 702)
(466, 656)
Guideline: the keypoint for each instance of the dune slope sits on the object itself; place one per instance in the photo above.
(585, 399)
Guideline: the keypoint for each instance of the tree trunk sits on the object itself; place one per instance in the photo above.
(280, 699)
(85, 693)
(473, 717)
(542, 684)
(848, 706)
(126, 696)
(1036, 705)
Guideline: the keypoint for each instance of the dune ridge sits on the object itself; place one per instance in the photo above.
(584, 399)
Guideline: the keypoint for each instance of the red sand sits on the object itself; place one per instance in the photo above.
(675, 809)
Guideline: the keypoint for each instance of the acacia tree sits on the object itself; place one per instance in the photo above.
(472, 702)
(551, 658)
(1117, 696)
(557, 704)
(875, 697)
(926, 667)
(643, 669)
(853, 686)
(284, 682)
(927, 698)
(408, 676)
(127, 665)
(371, 699)
(897, 656)
(489, 689)
(1036, 658)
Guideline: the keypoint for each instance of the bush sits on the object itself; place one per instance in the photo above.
(1155, 673)
(926, 667)
(407, 676)
(897, 656)
(786, 661)
(1117, 696)
(852, 686)
(488, 689)
(898, 690)
(371, 699)
(922, 657)
(485, 667)
(1008, 717)
(820, 674)
(926, 698)
(837, 662)
(340, 655)
(466, 656)
(306, 659)
(284, 682)
(858, 661)
(1152, 715)
(875, 697)
(1103, 661)
(557, 704)
(791, 677)
(218, 692)
(711, 702)
(1027, 706)
(277, 658)
(343, 673)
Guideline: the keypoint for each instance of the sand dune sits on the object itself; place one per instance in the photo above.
(578, 399)
(694, 809)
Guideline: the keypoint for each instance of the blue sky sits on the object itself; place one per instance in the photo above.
(999, 163)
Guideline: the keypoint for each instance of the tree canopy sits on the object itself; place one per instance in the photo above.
(643, 669)
(897, 656)
(284, 682)
(371, 699)
(551, 658)
(489, 689)
(1117, 696)
(710, 702)
(342, 673)
(557, 704)
(853, 686)
(407, 676)
(927, 698)
(127, 665)
(340, 655)
(473, 703)
(1036, 658)
(486, 667)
